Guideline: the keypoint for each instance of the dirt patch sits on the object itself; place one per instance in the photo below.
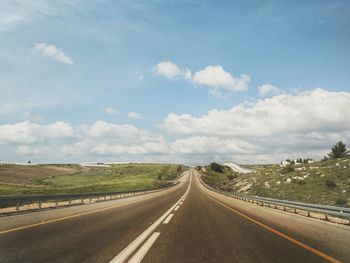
(25, 174)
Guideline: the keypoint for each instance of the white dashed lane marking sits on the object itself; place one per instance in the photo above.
(141, 253)
(129, 250)
(167, 220)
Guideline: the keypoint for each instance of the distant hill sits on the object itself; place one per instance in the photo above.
(73, 178)
(322, 182)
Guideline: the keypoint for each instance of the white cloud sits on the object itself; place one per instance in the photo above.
(60, 140)
(167, 69)
(53, 52)
(305, 124)
(266, 89)
(111, 111)
(27, 132)
(135, 115)
(102, 138)
(316, 110)
(216, 77)
(210, 145)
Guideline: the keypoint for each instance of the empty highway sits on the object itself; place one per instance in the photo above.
(187, 223)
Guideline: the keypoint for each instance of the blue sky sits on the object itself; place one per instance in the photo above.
(70, 61)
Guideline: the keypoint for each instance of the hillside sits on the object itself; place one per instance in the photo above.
(66, 178)
(324, 182)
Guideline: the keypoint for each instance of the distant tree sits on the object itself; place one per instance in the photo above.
(338, 151)
(29, 162)
(216, 167)
(179, 168)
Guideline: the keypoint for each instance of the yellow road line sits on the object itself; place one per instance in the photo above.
(68, 217)
(294, 241)
(61, 219)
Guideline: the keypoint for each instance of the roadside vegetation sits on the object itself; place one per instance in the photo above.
(71, 178)
(321, 182)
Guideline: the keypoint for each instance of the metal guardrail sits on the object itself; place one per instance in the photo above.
(15, 204)
(290, 206)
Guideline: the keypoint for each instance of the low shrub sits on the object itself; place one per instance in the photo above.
(341, 201)
(287, 169)
(330, 183)
(230, 177)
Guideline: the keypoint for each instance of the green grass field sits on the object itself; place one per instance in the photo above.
(52, 179)
(325, 182)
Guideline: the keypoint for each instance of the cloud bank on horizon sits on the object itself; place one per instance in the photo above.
(85, 81)
(305, 123)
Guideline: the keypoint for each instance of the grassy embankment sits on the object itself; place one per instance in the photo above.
(56, 179)
(326, 182)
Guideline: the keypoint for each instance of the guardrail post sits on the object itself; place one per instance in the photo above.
(82, 201)
(69, 202)
(90, 200)
(326, 217)
(308, 213)
(39, 204)
(17, 207)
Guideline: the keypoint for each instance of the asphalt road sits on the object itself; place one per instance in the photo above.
(187, 223)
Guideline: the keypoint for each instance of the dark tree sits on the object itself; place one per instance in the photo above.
(216, 167)
(338, 151)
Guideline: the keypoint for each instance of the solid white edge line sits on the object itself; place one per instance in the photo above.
(167, 220)
(141, 253)
(126, 252)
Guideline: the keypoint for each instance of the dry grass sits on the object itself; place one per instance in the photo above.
(15, 174)
(54, 179)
